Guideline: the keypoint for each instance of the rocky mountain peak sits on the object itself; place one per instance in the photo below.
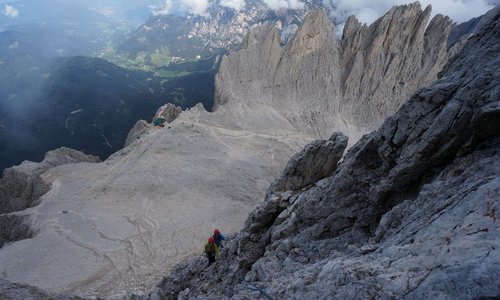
(267, 35)
(408, 11)
(319, 84)
(351, 25)
(315, 32)
(411, 24)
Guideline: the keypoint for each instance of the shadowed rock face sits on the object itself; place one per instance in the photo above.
(409, 213)
(14, 228)
(9, 290)
(320, 84)
(472, 26)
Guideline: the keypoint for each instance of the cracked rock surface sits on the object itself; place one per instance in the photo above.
(316, 161)
(318, 84)
(410, 213)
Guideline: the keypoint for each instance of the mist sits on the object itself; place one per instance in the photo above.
(33, 35)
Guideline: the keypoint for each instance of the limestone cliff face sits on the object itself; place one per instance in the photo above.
(320, 84)
(410, 212)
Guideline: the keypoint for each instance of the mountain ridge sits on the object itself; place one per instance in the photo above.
(357, 77)
(113, 234)
(408, 213)
(221, 30)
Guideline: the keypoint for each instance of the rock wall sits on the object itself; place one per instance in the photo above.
(320, 84)
(411, 211)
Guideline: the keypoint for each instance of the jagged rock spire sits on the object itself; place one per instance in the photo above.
(320, 84)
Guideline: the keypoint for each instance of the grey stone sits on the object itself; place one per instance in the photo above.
(409, 213)
(169, 112)
(368, 249)
(316, 161)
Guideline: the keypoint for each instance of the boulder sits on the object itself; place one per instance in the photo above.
(316, 161)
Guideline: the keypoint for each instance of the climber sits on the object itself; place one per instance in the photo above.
(218, 237)
(211, 250)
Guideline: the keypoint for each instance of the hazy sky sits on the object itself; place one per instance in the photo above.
(366, 10)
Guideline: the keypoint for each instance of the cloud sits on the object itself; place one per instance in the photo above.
(459, 11)
(10, 11)
(14, 45)
(200, 7)
(368, 11)
(107, 11)
(197, 7)
(164, 9)
(234, 4)
(284, 4)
